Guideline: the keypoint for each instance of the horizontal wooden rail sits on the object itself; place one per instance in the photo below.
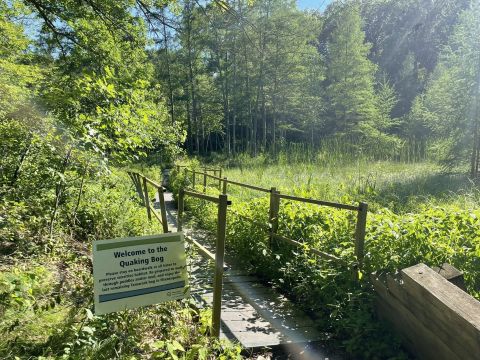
(212, 169)
(201, 196)
(312, 250)
(152, 209)
(248, 186)
(253, 187)
(202, 248)
(319, 202)
(150, 181)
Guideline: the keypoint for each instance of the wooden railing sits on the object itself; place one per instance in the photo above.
(140, 181)
(219, 256)
(141, 184)
(274, 208)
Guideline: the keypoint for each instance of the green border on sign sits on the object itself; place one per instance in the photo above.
(155, 240)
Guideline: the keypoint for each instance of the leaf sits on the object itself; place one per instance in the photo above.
(89, 314)
(178, 346)
(171, 351)
(88, 330)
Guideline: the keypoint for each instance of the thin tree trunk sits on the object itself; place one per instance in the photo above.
(16, 174)
(79, 198)
(169, 75)
(59, 191)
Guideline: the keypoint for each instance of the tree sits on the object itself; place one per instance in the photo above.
(407, 37)
(451, 104)
(350, 74)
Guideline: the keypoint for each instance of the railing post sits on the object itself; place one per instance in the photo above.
(181, 197)
(204, 180)
(185, 174)
(225, 183)
(178, 169)
(193, 178)
(163, 210)
(219, 260)
(219, 181)
(147, 200)
(360, 231)
(274, 209)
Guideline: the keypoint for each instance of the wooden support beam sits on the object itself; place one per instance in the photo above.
(147, 200)
(219, 262)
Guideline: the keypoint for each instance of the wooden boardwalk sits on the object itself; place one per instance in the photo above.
(253, 314)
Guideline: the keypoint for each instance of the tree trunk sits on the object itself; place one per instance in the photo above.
(169, 75)
(25, 152)
(59, 188)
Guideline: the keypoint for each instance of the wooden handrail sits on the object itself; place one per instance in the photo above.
(312, 250)
(152, 209)
(162, 218)
(201, 196)
(275, 197)
(253, 187)
(202, 248)
(319, 202)
(150, 181)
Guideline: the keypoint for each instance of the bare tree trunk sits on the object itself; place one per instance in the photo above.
(226, 107)
(234, 106)
(60, 187)
(191, 80)
(79, 197)
(16, 174)
(169, 75)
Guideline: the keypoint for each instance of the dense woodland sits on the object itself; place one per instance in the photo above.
(245, 76)
(90, 88)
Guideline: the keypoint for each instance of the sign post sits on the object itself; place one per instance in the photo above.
(138, 271)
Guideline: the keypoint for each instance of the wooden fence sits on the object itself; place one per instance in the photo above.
(141, 183)
(275, 199)
(219, 256)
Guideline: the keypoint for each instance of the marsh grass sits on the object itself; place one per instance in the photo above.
(399, 186)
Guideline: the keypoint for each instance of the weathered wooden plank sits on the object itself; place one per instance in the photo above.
(452, 274)
(421, 340)
(319, 202)
(448, 306)
(423, 314)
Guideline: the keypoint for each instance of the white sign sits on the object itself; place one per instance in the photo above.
(138, 271)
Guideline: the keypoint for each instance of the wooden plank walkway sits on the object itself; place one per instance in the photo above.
(253, 314)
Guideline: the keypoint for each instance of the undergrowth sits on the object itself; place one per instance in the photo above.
(438, 226)
(46, 286)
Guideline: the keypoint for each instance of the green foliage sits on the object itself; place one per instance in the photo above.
(343, 307)
(449, 107)
(21, 289)
(49, 306)
(350, 74)
(433, 236)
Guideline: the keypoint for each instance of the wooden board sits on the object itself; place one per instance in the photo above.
(436, 319)
(452, 309)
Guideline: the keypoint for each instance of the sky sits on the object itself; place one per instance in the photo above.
(313, 4)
